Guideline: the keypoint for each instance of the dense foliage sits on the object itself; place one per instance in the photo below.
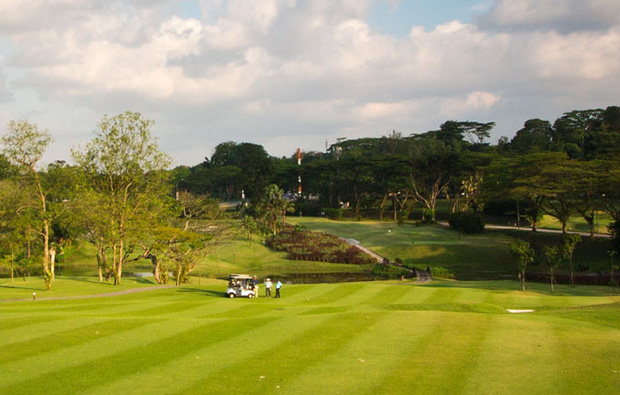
(122, 199)
(313, 246)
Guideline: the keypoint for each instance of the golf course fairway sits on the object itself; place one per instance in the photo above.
(349, 338)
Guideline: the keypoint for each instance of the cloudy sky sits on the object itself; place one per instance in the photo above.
(300, 73)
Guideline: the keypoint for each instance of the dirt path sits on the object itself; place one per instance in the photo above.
(103, 295)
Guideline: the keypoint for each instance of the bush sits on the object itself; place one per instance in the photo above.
(308, 208)
(467, 222)
(389, 271)
(304, 245)
(333, 213)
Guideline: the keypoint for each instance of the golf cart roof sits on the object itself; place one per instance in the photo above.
(239, 277)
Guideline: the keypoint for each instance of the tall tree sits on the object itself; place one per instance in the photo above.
(14, 222)
(125, 169)
(569, 244)
(525, 255)
(535, 136)
(24, 146)
(434, 160)
(572, 128)
(551, 259)
(273, 207)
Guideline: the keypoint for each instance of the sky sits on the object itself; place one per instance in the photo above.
(301, 73)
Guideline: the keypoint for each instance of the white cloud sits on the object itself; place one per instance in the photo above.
(301, 70)
(562, 15)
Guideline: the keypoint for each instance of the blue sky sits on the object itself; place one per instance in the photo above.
(398, 18)
(297, 73)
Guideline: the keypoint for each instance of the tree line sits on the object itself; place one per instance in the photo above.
(568, 168)
(121, 197)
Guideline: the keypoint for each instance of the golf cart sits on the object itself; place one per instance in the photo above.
(240, 285)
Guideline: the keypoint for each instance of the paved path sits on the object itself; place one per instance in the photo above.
(357, 244)
(529, 229)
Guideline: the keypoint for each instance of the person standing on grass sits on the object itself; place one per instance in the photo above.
(278, 286)
(268, 288)
(255, 286)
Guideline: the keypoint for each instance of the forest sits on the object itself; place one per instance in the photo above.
(120, 195)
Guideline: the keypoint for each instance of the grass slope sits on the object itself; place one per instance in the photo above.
(373, 337)
(481, 256)
(471, 257)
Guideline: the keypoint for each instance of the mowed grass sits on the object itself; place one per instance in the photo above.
(370, 337)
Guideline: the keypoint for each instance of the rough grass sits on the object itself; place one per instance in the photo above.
(377, 337)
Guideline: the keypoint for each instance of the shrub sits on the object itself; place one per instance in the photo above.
(333, 213)
(442, 272)
(390, 271)
(308, 208)
(467, 222)
(315, 246)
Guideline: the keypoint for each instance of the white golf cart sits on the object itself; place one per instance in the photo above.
(240, 285)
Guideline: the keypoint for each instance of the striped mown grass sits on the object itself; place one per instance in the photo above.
(371, 337)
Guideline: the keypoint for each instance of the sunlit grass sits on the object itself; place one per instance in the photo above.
(372, 337)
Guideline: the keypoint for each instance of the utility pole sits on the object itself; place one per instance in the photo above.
(299, 172)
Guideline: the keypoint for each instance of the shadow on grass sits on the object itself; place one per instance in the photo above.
(206, 292)
(23, 287)
(95, 280)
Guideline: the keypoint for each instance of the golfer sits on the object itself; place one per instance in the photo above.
(268, 288)
(278, 286)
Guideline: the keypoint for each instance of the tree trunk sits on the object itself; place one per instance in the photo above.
(100, 261)
(552, 280)
(382, 207)
(178, 275)
(570, 262)
(12, 263)
(590, 221)
(47, 273)
(53, 262)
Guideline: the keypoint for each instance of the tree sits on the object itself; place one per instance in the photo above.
(391, 180)
(14, 221)
(62, 183)
(273, 208)
(245, 166)
(24, 146)
(569, 244)
(477, 132)
(535, 136)
(125, 171)
(527, 179)
(434, 162)
(525, 254)
(556, 180)
(572, 129)
(551, 259)
(249, 224)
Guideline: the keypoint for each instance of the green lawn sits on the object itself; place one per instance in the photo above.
(370, 337)
(471, 257)
(578, 224)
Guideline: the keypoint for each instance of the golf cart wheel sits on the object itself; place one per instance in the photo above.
(250, 296)
(231, 295)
